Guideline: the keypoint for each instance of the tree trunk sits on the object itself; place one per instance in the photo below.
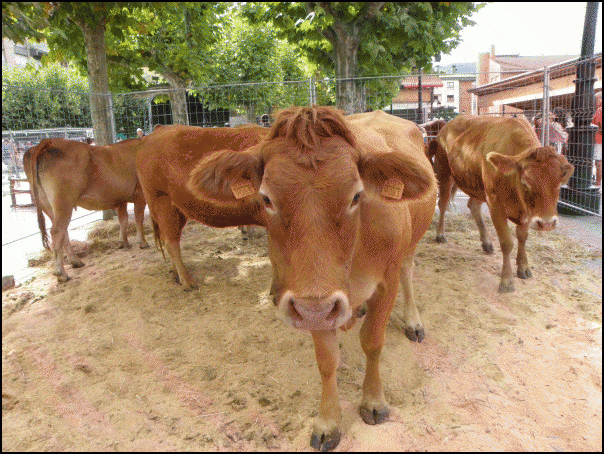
(178, 98)
(348, 90)
(94, 37)
(100, 110)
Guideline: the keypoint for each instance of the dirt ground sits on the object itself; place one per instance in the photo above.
(120, 358)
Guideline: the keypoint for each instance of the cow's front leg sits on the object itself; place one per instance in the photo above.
(374, 408)
(475, 205)
(326, 429)
(71, 255)
(523, 272)
(445, 183)
(500, 222)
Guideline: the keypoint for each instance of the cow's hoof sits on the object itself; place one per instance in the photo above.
(374, 416)
(325, 441)
(506, 287)
(62, 278)
(143, 245)
(78, 264)
(415, 334)
(487, 247)
(123, 246)
(524, 274)
(441, 239)
(175, 276)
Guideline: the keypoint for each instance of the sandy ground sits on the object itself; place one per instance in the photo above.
(120, 358)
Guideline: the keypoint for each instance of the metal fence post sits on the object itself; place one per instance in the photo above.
(112, 119)
(150, 115)
(545, 108)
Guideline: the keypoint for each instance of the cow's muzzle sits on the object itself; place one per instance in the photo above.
(314, 314)
(543, 224)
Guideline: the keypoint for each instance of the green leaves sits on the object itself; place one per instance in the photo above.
(393, 35)
(50, 97)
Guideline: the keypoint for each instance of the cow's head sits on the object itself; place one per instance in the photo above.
(537, 174)
(310, 185)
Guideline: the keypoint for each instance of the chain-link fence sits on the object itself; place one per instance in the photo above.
(546, 96)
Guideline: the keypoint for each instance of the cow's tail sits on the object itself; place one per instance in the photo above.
(158, 242)
(431, 150)
(30, 165)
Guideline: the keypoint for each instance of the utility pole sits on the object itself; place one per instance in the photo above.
(581, 135)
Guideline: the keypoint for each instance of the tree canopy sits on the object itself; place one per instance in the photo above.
(351, 39)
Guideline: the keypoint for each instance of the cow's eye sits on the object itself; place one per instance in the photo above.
(267, 201)
(356, 198)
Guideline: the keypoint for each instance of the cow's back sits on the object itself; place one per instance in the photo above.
(169, 154)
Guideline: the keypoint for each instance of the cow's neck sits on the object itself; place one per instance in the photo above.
(506, 190)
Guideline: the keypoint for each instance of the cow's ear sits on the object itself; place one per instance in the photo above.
(226, 176)
(566, 171)
(505, 164)
(396, 176)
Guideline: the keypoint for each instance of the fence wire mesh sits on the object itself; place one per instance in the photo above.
(547, 96)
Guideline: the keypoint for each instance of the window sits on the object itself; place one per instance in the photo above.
(450, 84)
(450, 98)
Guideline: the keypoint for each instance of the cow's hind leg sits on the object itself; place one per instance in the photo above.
(414, 329)
(139, 217)
(171, 222)
(122, 216)
(374, 408)
(59, 236)
(523, 272)
(326, 428)
(475, 205)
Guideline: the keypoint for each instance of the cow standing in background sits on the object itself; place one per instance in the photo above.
(432, 128)
(500, 161)
(344, 200)
(166, 158)
(64, 174)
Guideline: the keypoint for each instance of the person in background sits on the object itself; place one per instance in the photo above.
(140, 133)
(597, 120)
(558, 137)
(264, 121)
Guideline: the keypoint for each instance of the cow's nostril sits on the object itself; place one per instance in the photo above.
(294, 313)
(335, 310)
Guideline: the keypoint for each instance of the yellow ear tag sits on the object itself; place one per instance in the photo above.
(242, 189)
(393, 189)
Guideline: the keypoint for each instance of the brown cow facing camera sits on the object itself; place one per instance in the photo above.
(500, 161)
(64, 174)
(345, 201)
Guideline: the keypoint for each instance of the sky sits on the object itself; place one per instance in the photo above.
(525, 28)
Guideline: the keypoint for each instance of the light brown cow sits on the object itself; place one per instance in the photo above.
(64, 174)
(500, 161)
(344, 202)
(164, 163)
